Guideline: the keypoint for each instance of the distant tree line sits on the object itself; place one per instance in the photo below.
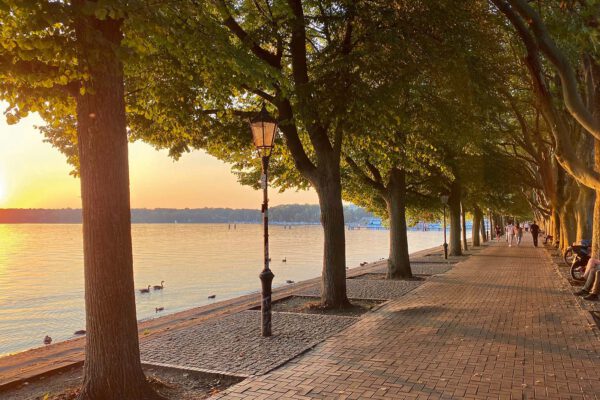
(288, 213)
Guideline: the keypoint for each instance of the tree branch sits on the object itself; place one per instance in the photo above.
(364, 177)
(571, 96)
(228, 20)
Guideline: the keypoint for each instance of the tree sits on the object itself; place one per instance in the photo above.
(581, 18)
(62, 59)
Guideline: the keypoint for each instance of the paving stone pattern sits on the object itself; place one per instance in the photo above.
(233, 344)
(371, 289)
(501, 325)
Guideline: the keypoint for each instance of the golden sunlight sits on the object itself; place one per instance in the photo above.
(2, 189)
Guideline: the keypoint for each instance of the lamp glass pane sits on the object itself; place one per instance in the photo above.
(263, 133)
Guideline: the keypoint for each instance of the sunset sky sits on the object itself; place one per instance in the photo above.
(35, 175)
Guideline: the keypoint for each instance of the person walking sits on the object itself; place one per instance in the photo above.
(518, 233)
(498, 233)
(535, 231)
(510, 233)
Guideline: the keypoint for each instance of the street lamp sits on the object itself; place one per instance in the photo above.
(444, 199)
(263, 128)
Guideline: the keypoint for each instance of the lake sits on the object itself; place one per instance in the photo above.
(41, 269)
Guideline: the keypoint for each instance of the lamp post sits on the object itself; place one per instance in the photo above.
(263, 127)
(444, 199)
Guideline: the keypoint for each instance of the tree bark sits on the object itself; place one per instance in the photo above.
(594, 102)
(463, 214)
(596, 220)
(478, 226)
(483, 229)
(398, 261)
(112, 368)
(333, 278)
(454, 208)
(555, 224)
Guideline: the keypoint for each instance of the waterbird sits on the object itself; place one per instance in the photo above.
(47, 340)
(284, 259)
(289, 281)
(363, 263)
(158, 309)
(79, 332)
(212, 296)
(145, 290)
(160, 287)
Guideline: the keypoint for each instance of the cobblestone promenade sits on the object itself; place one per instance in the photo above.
(503, 324)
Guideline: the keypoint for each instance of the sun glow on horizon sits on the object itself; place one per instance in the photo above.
(2, 188)
(33, 174)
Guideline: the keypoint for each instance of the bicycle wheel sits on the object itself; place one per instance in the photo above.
(577, 272)
(568, 256)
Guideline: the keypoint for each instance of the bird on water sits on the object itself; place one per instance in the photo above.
(145, 290)
(160, 287)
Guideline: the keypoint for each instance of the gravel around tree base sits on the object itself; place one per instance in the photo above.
(171, 383)
(372, 289)
(233, 345)
(311, 305)
(424, 268)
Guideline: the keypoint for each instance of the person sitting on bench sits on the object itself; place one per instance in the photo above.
(591, 288)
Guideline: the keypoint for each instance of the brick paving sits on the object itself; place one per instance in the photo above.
(233, 345)
(426, 268)
(501, 325)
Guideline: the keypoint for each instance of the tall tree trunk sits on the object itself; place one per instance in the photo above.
(555, 228)
(454, 208)
(594, 101)
(569, 194)
(333, 277)
(596, 220)
(584, 213)
(112, 368)
(463, 214)
(398, 261)
(483, 229)
(478, 226)
(568, 225)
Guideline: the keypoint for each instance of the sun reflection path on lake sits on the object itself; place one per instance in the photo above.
(41, 269)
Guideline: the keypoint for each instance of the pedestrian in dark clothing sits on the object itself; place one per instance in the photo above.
(535, 230)
(498, 233)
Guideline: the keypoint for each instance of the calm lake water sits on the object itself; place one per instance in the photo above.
(41, 269)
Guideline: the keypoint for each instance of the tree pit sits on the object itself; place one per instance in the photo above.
(312, 305)
(374, 276)
(170, 383)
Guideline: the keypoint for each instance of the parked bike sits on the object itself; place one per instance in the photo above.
(577, 257)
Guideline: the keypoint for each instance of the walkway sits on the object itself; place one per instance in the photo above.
(503, 324)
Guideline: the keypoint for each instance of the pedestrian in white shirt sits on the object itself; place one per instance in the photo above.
(510, 233)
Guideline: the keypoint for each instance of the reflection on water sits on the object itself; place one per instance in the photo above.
(41, 269)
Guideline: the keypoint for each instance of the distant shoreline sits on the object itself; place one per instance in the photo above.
(289, 214)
